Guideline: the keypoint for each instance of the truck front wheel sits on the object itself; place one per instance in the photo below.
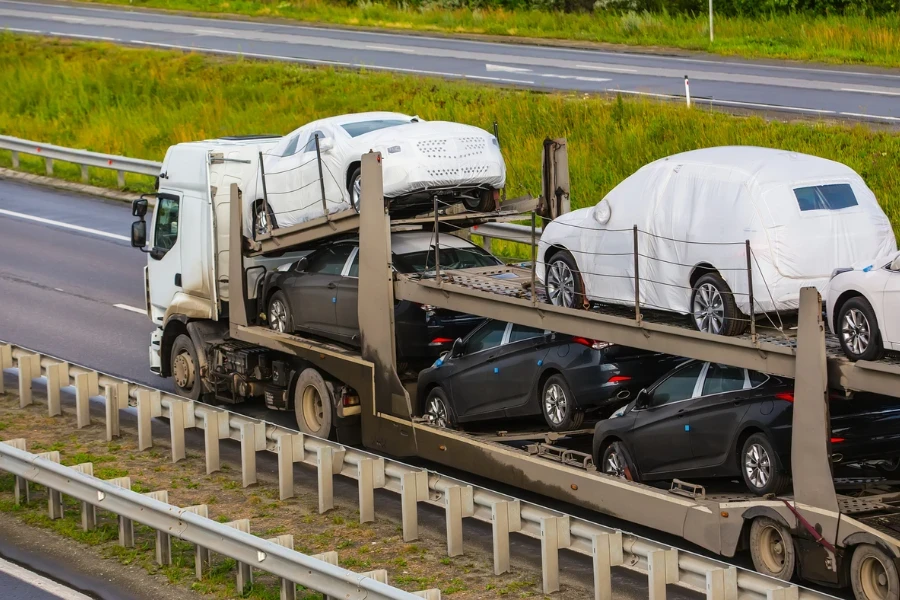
(184, 368)
(314, 404)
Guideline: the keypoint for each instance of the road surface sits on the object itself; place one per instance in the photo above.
(843, 93)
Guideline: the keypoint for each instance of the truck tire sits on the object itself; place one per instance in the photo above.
(772, 548)
(873, 574)
(314, 404)
(713, 309)
(184, 368)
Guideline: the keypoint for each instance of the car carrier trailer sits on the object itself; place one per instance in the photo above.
(815, 534)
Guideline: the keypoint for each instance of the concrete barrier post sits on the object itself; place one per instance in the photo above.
(57, 378)
(86, 386)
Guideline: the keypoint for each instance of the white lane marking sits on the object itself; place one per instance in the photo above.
(770, 106)
(575, 77)
(114, 236)
(505, 69)
(865, 116)
(19, 30)
(864, 91)
(134, 309)
(83, 36)
(605, 68)
(391, 49)
(500, 79)
(41, 583)
(651, 94)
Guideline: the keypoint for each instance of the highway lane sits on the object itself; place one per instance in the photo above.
(832, 92)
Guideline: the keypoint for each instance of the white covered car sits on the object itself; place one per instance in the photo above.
(863, 308)
(420, 159)
(803, 217)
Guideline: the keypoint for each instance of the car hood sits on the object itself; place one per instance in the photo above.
(421, 131)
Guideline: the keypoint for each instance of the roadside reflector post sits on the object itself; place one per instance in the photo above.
(248, 454)
(116, 399)
(459, 503)
(201, 554)
(687, 91)
(20, 488)
(163, 539)
(88, 510)
(413, 489)
(244, 572)
(656, 574)
(86, 386)
(57, 378)
(48, 166)
(506, 516)
(6, 362)
(54, 498)
(370, 474)
(290, 450)
(29, 369)
(126, 526)
(288, 588)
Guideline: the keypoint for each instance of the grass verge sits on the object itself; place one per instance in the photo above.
(138, 102)
(829, 39)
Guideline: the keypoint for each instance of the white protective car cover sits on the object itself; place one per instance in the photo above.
(416, 155)
(700, 207)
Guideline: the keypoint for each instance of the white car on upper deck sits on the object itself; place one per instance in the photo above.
(420, 159)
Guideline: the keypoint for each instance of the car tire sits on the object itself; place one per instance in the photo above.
(772, 548)
(558, 405)
(313, 404)
(354, 187)
(858, 332)
(263, 221)
(484, 202)
(759, 467)
(436, 409)
(278, 313)
(616, 461)
(563, 282)
(185, 368)
(873, 574)
(713, 309)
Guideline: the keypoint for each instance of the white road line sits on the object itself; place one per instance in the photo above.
(84, 36)
(41, 583)
(97, 232)
(575, 77)
(865, 116)
(864, 91)
(651, 94)
(19, 30)
(391, 49)
(769, 106)
(605, 68)
(134, 309)
(506, 69)
(500, 79)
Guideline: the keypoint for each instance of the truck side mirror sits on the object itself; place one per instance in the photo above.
(457, 348)
(139, 208)
(139, 234)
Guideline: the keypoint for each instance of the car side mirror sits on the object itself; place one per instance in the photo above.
(139, 208)
(642, 399)
(326, 145)
(895, 264)
(139, 234)
(303, 264)
(457, 348)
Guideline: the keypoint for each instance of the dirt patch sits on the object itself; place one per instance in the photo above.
(378, 545)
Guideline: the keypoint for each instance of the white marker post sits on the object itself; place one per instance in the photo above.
(687, 91)
(710, 21)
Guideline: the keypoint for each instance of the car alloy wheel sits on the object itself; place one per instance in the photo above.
(561, 284)
(278, 316)
(758, 466)
(709, 309)
(856, 331)
(356, 193)
(262, 220)
(555, 403)
(436, 412)
(614, 465)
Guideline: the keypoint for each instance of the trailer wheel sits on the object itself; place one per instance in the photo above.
(313, 404)
(184, 368)
(873, 574)
(772, 548)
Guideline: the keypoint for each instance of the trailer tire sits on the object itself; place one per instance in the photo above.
(185, 368)
(772, 548)
(873, 574)
(313, 405)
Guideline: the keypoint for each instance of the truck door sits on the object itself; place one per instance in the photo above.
(165, 255)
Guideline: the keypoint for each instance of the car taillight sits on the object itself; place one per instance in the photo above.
(837, 440)
(619, 379)
(789, 396)
(440, 341)
(593, 344)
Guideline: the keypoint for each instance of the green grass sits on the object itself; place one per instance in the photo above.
(833, 39)
(138, 102)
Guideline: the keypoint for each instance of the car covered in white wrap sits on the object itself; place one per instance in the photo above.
(803, 216)
(420, 160)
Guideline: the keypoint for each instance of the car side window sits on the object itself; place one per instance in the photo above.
(166, 233)
(757, 378)
(354, 266)
(291, 148)
(721, 379)
(680, 386)
(520, 333)
(330, 260)
(489, 336)
(311, 142)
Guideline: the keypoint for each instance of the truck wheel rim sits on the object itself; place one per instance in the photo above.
(313, 408)
(437, 412)
(183, 371)
(561, 284)
(613, 465)
(758, 466)
(709, 309)
(856, 331)
(873, 578)
(278, 316)
(772, 549)
(555, 403)
(356, 193)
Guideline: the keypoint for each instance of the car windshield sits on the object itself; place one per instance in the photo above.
(451, 258)
(358, 129)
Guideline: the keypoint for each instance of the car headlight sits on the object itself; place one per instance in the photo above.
(837, 272)
(619, 413)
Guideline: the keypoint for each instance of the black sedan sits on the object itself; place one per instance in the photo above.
(319, 295)
(507, 370)
(710, 420)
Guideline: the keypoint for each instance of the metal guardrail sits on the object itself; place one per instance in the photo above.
(85, 158)
(606, 546)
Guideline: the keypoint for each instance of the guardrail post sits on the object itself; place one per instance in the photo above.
(15, 159)
(459, 503)
(148, 406)
(54, 498)
(731, 584)
(379, 575)
(120, 178)
(211, 437)
(325, 468)
(330, 557)
(85, 176)
(244, 572)
(370, 474)
(201, 554)
(288, 587)
(29, 369)
(550, 554)
(88, 510)
(57, 378)
(21, 485)
(506, 516)
(290, 450)
(785, 593)
(48, 166)
(116, 399)
(248, 454)
(656, 574)
(126, 526)
(177, 410)
(413, 489)
(715, 584)
(86, 386)
(163, 539)
(6, 362)
(606, 549)
(433, 594)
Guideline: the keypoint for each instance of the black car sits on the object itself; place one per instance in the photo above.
(710, 420)
(318, 294)
(507, 370)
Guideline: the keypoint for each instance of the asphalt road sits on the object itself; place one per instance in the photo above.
(834, 92)
(18, 583)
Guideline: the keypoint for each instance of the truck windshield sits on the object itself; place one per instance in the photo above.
(451, 258)
(358, 129)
